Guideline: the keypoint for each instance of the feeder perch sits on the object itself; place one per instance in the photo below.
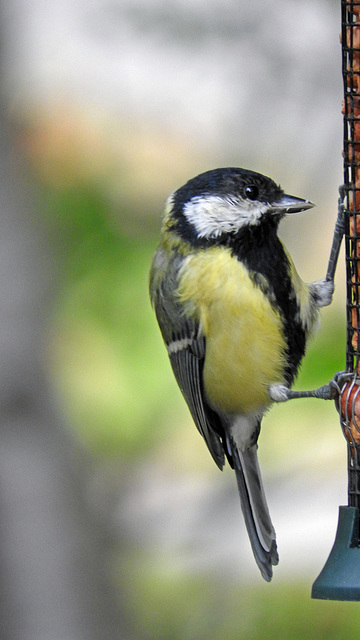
(340, 577)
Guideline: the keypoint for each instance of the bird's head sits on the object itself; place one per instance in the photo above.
(224, 202)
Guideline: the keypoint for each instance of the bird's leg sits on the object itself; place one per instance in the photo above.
(322, 290)
(281, 393)
(338, 235)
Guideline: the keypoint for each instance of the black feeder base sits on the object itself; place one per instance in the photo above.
(340, 577)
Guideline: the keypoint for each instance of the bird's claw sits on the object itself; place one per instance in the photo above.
(281, 393)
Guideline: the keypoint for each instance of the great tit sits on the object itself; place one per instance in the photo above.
(235, 317)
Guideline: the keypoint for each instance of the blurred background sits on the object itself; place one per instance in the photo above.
(115, 523)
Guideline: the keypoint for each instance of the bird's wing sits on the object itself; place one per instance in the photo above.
(186, 348)
(186, 353)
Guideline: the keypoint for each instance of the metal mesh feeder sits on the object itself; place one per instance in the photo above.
(340, 577)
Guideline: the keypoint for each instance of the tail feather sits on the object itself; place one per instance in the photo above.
(255, 510)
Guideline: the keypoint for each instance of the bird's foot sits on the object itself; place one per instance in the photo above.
(281, 393)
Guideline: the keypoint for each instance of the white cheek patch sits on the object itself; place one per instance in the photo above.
(213, 215)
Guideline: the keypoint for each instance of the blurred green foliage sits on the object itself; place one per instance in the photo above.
(106, 353)
(210, 607)
(326, 352)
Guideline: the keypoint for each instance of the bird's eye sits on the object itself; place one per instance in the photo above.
(251, 192)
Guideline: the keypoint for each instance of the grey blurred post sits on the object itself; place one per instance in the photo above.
(53, 553)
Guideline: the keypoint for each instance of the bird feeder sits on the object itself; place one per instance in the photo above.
(340, 577)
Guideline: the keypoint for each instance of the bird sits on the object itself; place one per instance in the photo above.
(235, 318)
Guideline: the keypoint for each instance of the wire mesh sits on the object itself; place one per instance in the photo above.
(349, 400)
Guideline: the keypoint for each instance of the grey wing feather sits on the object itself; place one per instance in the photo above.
(186, 348)
(187, 369)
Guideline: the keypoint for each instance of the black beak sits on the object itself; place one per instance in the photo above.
(290, 204)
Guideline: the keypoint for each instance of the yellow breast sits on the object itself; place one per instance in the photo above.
(244, 342)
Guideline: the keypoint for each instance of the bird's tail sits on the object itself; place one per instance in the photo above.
(254, 507)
